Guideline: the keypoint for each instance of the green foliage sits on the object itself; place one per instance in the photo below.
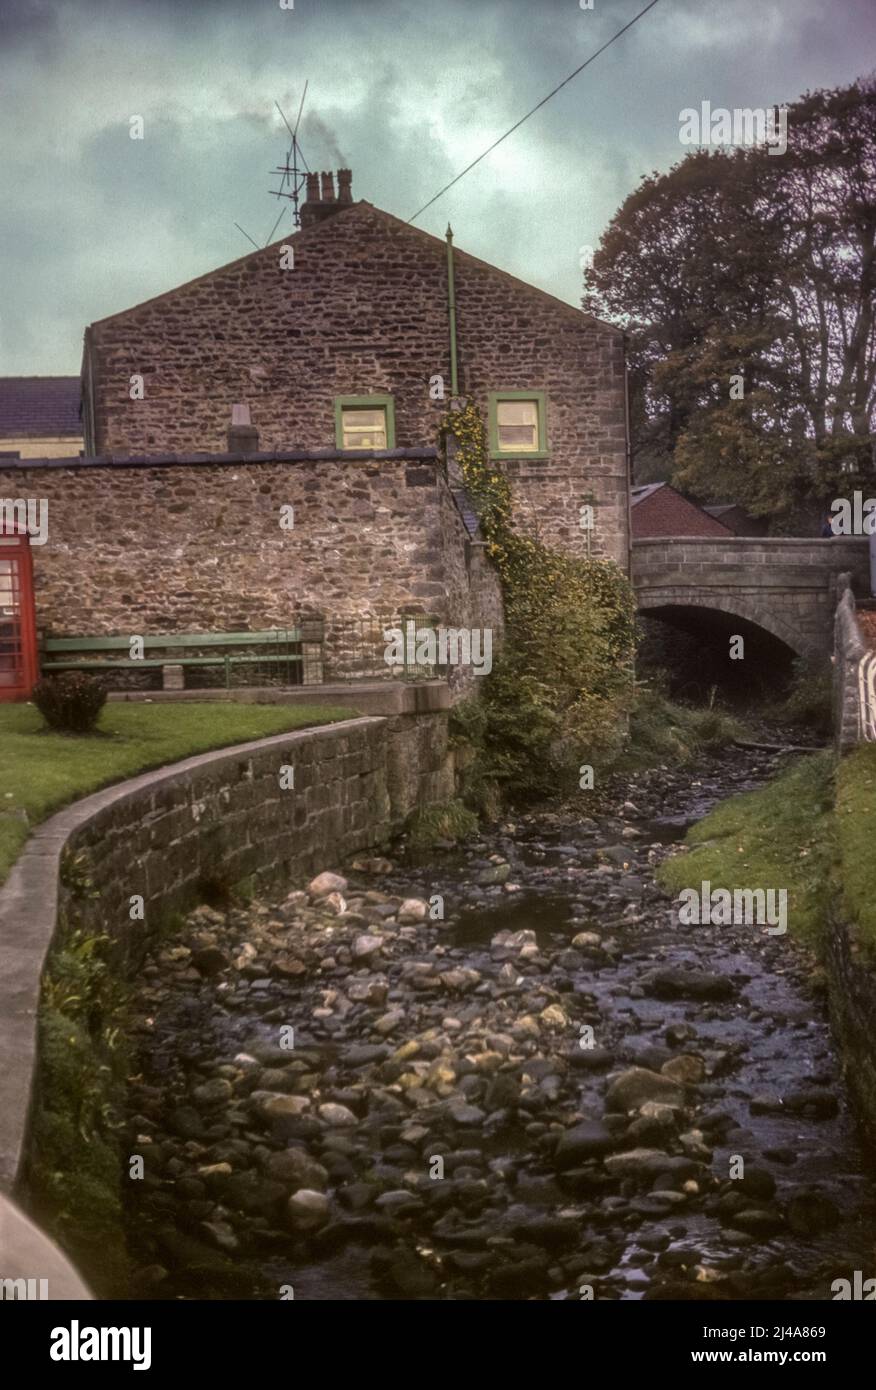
(557, 691)
(810, 698)
(75, 1166)
(856, 834)
(70, 702)
(688, 268)
(663, 731)
(450, 821)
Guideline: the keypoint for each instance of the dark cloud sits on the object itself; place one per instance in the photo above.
(405, 92)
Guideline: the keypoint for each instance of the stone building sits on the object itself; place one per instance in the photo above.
(309, 380)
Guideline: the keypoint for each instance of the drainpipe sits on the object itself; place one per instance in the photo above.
(451, 310)
(629, 460)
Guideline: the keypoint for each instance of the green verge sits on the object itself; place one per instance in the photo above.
(781, 836)
(41, 771)
(856, 834)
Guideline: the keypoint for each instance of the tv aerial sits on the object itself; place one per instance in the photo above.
(293, 176)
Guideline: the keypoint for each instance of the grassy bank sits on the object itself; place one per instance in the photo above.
(663, 731)
(41, 771)
(811, 831)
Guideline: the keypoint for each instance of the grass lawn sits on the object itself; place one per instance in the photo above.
(41, 771)
(783, 836)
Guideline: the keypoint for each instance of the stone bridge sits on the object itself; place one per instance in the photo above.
(785, 587)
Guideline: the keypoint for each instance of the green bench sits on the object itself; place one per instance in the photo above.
(277, 647)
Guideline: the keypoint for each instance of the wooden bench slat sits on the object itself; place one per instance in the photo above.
(274, 636)
(80, 664)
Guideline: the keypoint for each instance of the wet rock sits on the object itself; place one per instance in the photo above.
(757, 1221)
(820, 1104)
(213, 1092)
(372, 989)
(589, 1139)
(637, 1086)
(756, 1182)
(686, 1069)
(810, 1213)
(672, 983)
(306, 1210)
(210, 961)
(636, 1163)
(280, 1106)
(412, 910)
(326, 883)
(495, 873)
(338, 1116)
(365, 946)
(589, 1058)
(296, 1168)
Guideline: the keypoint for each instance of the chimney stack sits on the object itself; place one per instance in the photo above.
(243, 437)
(321, 201)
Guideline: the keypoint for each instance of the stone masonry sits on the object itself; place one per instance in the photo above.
(364, 310)
(785, 586)
(191, 545)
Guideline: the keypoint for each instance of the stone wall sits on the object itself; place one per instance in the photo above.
(208, 822)
(364, 310)
(190, 544)
(852, 1002)
(786, 586)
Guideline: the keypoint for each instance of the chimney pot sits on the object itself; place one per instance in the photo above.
(313, 188)
(345, 185)
(328, 187)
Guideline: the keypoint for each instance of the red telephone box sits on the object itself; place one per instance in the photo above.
(18, 646)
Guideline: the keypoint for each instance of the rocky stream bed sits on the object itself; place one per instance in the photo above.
(538, 1097)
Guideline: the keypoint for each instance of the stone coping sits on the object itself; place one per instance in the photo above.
(28, 918)
(750, 542)
(26, 1253)
(427, 455)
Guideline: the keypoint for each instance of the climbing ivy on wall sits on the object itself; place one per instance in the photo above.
(564, 676)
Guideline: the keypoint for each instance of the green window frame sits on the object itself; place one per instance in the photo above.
(377, 402)
(539, 398)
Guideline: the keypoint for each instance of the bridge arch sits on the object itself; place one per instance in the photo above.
(667, 605)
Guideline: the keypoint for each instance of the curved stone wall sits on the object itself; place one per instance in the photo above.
(158, 840)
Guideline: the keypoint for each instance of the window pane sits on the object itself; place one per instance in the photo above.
(517, 425)
(364, 429)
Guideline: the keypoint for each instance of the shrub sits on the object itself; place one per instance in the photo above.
(560, 689)
(71, 702)
(810, 698)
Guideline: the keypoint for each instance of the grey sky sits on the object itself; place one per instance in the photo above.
(406, 92)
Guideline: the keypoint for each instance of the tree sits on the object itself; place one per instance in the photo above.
(746, 281)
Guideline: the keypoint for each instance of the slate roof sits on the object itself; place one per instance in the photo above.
(39, 405)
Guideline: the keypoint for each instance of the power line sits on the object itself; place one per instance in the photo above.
(542, 103)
